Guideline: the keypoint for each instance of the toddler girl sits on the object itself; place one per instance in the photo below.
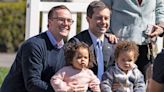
(78, 59)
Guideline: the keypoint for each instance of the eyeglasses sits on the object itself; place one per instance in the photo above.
(62, 20)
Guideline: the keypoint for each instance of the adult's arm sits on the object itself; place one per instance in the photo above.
(155, 86)
(32, 66)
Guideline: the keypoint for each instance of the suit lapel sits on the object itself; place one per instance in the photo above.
(88, 40)
(107, 53)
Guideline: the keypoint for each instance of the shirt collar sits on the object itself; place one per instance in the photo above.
(53, 40)
(94, 38)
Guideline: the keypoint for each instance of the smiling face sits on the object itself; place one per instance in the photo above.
(99, 22)
(60, 23)
(81, 58)
(126, 60)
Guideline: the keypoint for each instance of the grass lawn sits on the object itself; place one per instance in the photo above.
(3, 73)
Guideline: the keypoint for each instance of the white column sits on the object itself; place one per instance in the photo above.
(32, 18)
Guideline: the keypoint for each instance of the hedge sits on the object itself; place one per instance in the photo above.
(12, 25)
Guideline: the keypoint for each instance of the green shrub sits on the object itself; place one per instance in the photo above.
(3, 73)
(12, 25)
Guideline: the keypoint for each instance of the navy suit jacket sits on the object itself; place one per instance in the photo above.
(108, 49)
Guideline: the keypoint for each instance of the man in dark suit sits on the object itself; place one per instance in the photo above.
(41, 56)
(98, 16)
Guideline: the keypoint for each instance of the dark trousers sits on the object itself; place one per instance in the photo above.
(143, 61)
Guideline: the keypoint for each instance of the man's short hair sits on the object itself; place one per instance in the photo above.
(51, 12)
(95, 4)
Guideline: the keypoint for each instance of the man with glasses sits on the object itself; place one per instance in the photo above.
(41, 56)
(98, 16)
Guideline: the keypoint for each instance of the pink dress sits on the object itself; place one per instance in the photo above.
(65, 76)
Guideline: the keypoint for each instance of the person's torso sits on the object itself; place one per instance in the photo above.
(127, 81)
(130, 20)
(51, 61)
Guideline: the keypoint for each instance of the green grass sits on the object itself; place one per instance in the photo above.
(3, 73)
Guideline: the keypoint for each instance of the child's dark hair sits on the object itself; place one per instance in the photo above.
(126, 46)
(70, 50)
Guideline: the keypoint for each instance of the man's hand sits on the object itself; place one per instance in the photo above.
(112, 38)
(157, 30)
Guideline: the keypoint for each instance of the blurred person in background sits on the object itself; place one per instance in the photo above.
(138, 21)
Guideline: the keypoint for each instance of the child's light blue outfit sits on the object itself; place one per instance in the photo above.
(133, 81)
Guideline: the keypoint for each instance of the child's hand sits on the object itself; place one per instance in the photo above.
(115, 86)
(75, 87)
(95, 87)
